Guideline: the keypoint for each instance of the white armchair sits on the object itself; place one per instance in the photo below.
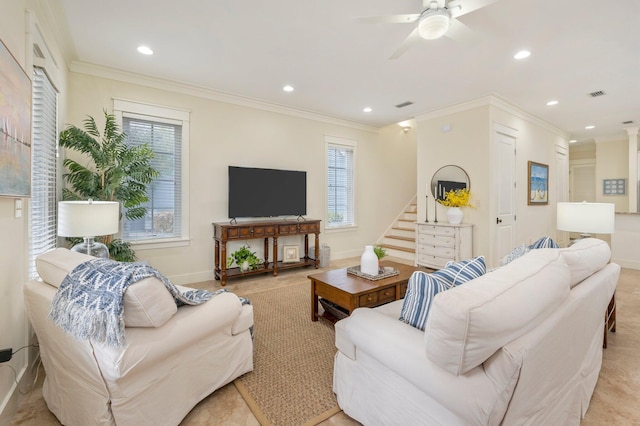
(173, 356)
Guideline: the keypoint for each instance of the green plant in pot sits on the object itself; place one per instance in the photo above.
(114, 172)
(245, 259)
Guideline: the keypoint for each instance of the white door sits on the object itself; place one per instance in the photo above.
(505, 190)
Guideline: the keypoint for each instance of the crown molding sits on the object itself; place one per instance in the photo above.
(94, 70)
(496, 101)
(607, 139)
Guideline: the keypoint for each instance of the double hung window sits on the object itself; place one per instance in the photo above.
(341, 154)
(165, 131)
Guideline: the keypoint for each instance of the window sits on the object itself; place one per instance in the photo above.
(165, 131)
(43, 211)
(340, 182)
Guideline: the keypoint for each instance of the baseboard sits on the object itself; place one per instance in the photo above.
(10, 404)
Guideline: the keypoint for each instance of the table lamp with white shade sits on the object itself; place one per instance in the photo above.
(586, 218)
(88, 219)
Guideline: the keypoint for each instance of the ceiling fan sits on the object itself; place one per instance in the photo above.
(438, 18)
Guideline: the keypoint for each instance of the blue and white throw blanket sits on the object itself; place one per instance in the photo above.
(89, 303)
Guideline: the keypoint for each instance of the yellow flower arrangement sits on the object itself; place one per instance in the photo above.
(457, 198)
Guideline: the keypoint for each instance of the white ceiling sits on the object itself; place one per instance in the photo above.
(338, 66)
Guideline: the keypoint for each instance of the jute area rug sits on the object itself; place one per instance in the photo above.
(293, 360)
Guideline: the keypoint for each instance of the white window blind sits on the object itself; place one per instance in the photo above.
(164, 209)
(43, 211)
(340, 187)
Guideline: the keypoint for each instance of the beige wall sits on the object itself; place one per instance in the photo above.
(221, 134)
(224, 134)
(611, 159)
(16, 33)
(612, 162)
(464, 145)
(469, 145)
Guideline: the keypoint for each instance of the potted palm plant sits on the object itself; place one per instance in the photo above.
(116, 172)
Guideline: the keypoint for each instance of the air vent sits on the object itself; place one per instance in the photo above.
(597, 93)
(628, 122)
(404, 104)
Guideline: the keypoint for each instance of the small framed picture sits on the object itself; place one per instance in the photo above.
(538, 184)
(290, 254)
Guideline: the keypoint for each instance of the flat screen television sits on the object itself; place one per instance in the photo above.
(255, 192)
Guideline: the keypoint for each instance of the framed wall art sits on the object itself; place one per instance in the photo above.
(538, 187)
(290, 254)
(15, 127)
(614, 186)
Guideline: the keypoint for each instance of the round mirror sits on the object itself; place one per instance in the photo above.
(448, 178)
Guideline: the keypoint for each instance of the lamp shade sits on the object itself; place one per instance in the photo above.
(88, 218)
(434, 24)
(590, 218)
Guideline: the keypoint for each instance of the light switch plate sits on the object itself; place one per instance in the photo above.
(18, 208)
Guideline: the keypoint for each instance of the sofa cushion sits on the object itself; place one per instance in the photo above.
(468, 323)
(421, 289)
(585, 257)
(147, 303)
(456, 273)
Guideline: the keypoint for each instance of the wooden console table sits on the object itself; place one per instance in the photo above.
(225, 231)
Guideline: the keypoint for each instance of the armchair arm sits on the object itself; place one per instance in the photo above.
(190, 327)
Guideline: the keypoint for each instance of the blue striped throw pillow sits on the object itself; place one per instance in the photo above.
(456, 273)
(421, 289)
(544, 242)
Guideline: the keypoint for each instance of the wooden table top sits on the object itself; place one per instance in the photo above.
(352, 284)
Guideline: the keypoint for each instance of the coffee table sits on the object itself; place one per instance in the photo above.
(350, 291)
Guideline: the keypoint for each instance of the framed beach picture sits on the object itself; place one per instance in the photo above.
(15, 127)
(538, 187)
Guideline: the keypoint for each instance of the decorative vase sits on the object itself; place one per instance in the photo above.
(244, 267)
(369, 261)
(454, 215)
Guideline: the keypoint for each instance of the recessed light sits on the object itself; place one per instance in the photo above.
(145, 50)
(589, 127)
(367, 109)
(552, 103)
(522, 54)
(572, 141)
(288, 88)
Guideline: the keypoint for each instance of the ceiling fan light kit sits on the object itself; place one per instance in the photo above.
(434, 24)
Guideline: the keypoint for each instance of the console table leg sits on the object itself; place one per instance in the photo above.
(266, 253)
(317, 250)
(306, 247)
(216, 259)
(223, 264)
(275, 256)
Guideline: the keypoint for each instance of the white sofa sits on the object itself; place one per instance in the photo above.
(173, 357)
(519, 345)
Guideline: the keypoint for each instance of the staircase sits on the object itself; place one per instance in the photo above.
(400, 238)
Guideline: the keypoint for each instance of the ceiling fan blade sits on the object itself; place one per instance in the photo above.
(411, 39)
(461, 33)
(389, 19)
(462, 7)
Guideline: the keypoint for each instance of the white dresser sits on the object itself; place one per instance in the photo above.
(439, 243)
